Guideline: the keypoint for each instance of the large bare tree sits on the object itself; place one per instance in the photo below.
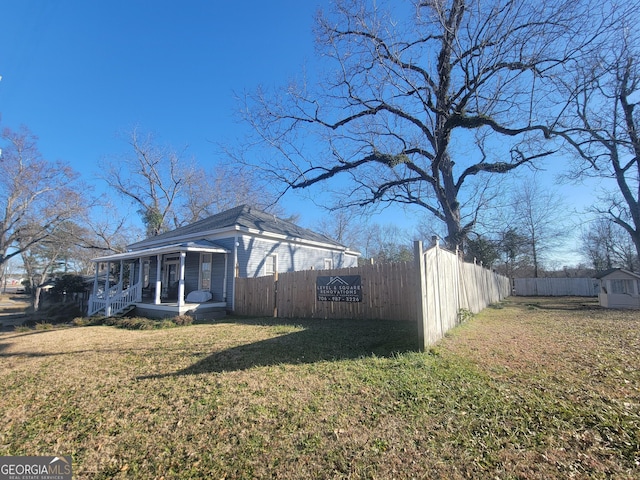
(37, 197)
(602, 123)
(425, 101)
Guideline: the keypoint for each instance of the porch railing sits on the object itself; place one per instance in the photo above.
(117, 300)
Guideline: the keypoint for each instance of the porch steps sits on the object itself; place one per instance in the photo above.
(119, 314)
(125, 311)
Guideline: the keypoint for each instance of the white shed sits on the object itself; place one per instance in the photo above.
(619, 288)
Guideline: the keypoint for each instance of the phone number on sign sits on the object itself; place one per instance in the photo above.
(324, 298)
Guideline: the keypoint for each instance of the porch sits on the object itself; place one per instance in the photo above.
(199, 311)
(162, 282)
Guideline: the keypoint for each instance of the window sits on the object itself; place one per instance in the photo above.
(205, 271)
(622, 286)
(271, 264)
(328, 263)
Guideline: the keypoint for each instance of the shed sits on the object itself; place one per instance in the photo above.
(619, 288)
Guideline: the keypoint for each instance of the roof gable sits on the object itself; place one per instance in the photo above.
(606, 273)
(244, 218)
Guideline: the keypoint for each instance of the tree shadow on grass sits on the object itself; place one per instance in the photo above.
(563, 303)
(309, 341)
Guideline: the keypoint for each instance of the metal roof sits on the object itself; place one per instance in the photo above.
(243, 218)
(197, 246)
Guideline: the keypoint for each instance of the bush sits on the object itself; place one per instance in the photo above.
(134, 323)
(464, 315)
(182, 320)
(166, 323)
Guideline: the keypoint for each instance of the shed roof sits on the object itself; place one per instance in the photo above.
(606, 273)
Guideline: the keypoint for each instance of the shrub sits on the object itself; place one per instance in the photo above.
(464, 315)
(80, 321)
(135, 323)
(166, 323)
(44, 326)
(182, 320)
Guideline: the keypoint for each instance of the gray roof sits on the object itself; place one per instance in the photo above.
(197, 246)
(606, 273)
(244, 217)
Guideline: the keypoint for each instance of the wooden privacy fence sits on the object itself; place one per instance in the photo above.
(435, 290)
(388, 293)
(450, 289)
(555, 287)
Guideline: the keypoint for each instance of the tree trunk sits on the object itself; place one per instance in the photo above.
(36, 298)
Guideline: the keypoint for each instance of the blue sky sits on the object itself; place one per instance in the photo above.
(78, 73)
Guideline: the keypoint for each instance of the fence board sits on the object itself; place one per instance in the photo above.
(555, 287)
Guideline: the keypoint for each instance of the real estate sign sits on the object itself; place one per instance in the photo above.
(342, 288)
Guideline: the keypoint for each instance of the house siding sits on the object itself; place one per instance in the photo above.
(254, 251)
(191, 272)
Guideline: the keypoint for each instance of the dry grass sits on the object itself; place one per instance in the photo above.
(550, 390)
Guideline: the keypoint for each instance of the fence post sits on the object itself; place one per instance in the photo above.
(421, 294)
(275, 294)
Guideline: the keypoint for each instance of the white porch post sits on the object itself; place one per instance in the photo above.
(107, 287)
(181, 282)
(158, 279)
(95, 279)
(139, 280)
(224, 285)
(121, 276)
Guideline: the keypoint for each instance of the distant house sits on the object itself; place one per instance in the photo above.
(192, 269)
(619, 288)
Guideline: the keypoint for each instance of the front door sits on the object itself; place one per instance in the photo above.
(170, 277)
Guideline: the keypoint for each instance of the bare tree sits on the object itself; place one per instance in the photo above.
(607, 245)
(98, 234)
(423, 106)
(169, 191)
(37, 197)
(385, 243)
(602, 124)
(344, 226)
(44, 259)
(538, 215)
(153, 178)
(224, 187)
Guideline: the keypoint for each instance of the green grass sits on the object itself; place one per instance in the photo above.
(552, 392)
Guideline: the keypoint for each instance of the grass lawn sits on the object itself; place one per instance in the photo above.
(534, 388)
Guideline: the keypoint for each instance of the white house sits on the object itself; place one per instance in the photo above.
(193, 268)
(619, 288)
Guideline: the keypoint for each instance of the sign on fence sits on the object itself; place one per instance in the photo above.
(344, 288)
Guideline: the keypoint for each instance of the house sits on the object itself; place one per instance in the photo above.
(192, 269)
(619, 288)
